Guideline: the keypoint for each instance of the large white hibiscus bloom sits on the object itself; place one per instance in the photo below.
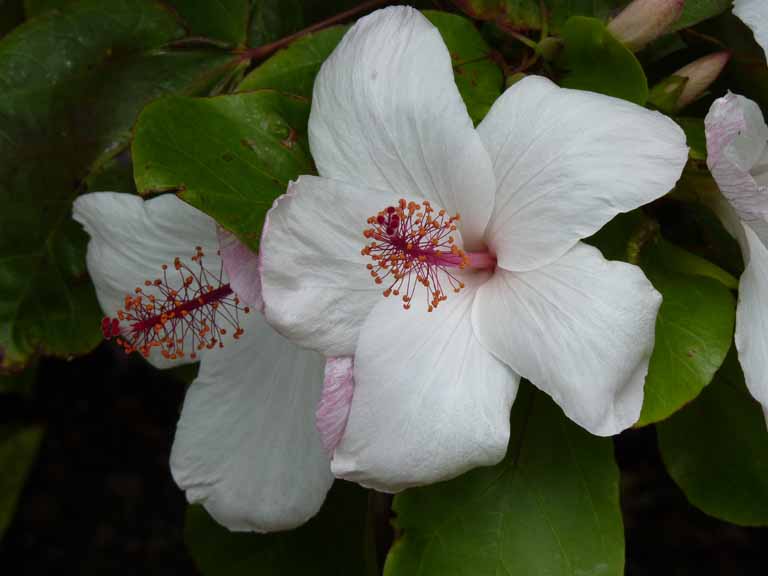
(246, 446)
(737, 156)
(754, 13)
(546, 168)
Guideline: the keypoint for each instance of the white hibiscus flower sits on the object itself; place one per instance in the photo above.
(246, 446)
(484, 251)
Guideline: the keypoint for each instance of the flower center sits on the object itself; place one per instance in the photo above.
(201, 308)
(412, 244)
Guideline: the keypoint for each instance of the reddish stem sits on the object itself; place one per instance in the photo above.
(262, 52)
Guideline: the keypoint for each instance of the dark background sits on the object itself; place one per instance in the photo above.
(100, 498)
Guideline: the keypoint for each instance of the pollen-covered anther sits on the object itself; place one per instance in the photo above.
(413, 244)
(191, 307)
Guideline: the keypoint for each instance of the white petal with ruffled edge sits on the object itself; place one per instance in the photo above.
(566, 162)
(429, 402)
(754, 13)
(737, 155)
(581, 329)
(386, 114)
(752, 316)
(130, 241)
(317, 290)
(246, 445)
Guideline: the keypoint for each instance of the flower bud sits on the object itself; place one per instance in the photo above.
(688, 84)
(701, 74)
(644, 20)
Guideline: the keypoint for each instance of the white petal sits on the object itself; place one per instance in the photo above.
(429, 402)
(386, 113)
(131, 239)
(242, 267)
(736, 146)
(581, 329)
(754, 13)
(246, 446)
(566, 162)
(316, 288)
(752, 316)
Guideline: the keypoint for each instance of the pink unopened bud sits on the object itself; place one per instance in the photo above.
(644, 20)
(701, 74)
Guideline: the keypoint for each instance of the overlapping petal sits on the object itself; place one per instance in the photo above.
(581, 329)
(246, 445)
(566, 162)
(754, 13)
(386, 114)
(131, 239)
(430, 402)
(243, 268)
(316, 288)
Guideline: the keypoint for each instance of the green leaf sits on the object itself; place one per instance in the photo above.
(19, 446)
(336, 541)
(71, 85)
(274, 19)
(695, 136)
(478, 77)
(550, 507)
(225, 20)
(526, 14)
(693, 329)
(293, 69)
(695, 11)
(36, 7)
(586, 43)
(716, 450)
(230, 156)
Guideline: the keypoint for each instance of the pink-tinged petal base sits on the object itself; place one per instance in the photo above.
(242, 267)
(333, 408)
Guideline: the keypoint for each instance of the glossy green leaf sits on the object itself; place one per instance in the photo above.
(526, 14)
(716, 450)
(19, 446)
(478, 77)
(230, 156)
(695, 11)
(293, 69)
(694, 328)
(34, 8)
(225, 20)
(551, 507)
(335, 542)
(618, 74)
(71, 85)
(274, 19)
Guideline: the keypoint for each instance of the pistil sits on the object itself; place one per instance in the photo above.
(412, 244)
(200, 309)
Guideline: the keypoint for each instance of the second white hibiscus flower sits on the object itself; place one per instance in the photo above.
(505, 290)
